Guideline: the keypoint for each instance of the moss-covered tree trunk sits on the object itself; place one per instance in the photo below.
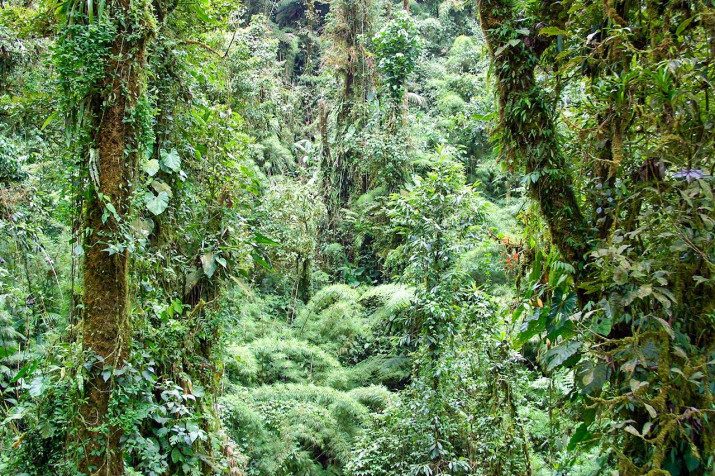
(106, 329)
(526, 120)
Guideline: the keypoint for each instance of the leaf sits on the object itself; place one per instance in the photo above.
(201, 14)
(602, 325)
(171, 160)
(532, 325)
(176, 455)
(151, 167)
(691, 461)
(261, 261)
(631, 429)
(37, 387)
(680, 352)
(52, 117)
(637, 385)
(208, 263)
(640, 293)
(590, 378)
(651, 412)
(26, 370)
(160, 186)
(581, 434)
(667, 327)
(557, 356)
(676, 370)
(683, 26)
(142, 227)
(262, 239)
(552, 31)
(148, 376)
(156, 203)
(630, 366)
(558, 322)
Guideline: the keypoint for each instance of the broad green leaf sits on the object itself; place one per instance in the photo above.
(681, 28)
(160, 186)
(691, 461)
(171, 160)
(558, 355)
(37, 387)
(26, 370)
(52, 117)
(590, 378)
(156, 203)
(151, 167)
(581, 434)
(553, 31)
(602, 324)
(262, 239)
(533, 325)
(208, 263)
(261, 261)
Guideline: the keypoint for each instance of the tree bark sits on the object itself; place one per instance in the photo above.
(106, 329)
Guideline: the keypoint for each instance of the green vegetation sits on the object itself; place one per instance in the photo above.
(357, 237)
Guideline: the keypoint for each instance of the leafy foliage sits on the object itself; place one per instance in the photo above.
(397, 47)
(356, 238)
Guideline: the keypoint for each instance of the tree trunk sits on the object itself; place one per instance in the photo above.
(526, 120)
(106, 329)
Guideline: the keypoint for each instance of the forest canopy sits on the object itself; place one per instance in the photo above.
(357, 237)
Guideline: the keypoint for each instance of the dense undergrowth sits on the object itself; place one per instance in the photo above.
(357, 237)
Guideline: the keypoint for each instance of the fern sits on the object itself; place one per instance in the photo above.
(335, 319)
(10, 354)
(384, 302)
(374, 397)
(290, 429)
(330, 295)
(290, 360)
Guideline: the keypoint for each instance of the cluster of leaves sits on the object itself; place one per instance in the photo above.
(397, 47)
(623, 303)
